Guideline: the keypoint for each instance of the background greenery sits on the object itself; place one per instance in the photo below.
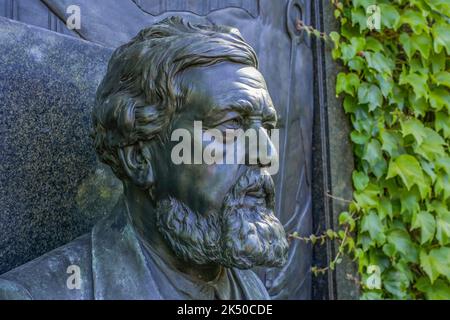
(396, 92)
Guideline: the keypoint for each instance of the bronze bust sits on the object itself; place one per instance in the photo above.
(180, 231)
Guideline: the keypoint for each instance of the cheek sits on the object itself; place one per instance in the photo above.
(202, 187)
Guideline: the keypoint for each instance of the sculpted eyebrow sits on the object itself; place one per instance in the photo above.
(223, 114)
(241, 108)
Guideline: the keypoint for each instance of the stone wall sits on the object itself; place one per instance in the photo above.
(52, 188)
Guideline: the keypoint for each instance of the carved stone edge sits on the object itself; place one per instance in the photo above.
(335, 166)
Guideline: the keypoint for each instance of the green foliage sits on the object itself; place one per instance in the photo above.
(396, 93)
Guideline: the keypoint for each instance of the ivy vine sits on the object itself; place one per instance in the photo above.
(396, 93)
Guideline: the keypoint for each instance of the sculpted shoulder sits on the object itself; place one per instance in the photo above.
(46, 278)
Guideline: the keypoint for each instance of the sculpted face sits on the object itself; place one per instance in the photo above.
(221, 213)
(223, 96)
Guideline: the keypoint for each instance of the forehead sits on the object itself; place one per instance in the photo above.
(228, 85)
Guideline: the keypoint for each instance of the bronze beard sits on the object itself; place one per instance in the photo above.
(244, 234)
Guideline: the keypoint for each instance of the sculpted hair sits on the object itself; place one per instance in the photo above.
(140, 91)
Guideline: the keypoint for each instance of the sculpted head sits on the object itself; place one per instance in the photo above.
(169, 76)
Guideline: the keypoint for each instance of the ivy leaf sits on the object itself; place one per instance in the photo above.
(371, 295)
(417, 81)
(427, 225)
(419, 105)
(380, 168)
(390, 17)
(345, 218)
(443, 228)
(415, 128)
(357, 64)
(419, 4)
(350, 50)
(373, 45)
(386, 85)
(439, 207)
(368, 198)
(350, 31)
(363, 122)
(372, 224)
(403, 244)
(379, 62)
(417, 65)
(443, 163)
(422, 43)
(429, 169)
(427, 266)
(432, 146)
(438, 62)
(405, 268)
(405, 41)
(371, 95)
(442, 6)
(374, 156)
(440, 290)
(359, 138)
(389, 250)
(362, 3)
(439, 259)
(346, 83)
(442, 123)
(408, 169)
(365, 242)
(396, 283)
(441, 35)
(335, 37)
(336, 53)
(409, 201)
(440, 98)
(391, 142)
(350, 104)
(359, 18)
(417, 42)
(377, 259)
(415, 20)
(442, 185)
(397, 96)
(385, 208)
(442, 78)
(360, 180)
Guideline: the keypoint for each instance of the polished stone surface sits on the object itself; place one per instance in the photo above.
(52, 189)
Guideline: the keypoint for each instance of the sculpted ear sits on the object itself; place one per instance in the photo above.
(136, 163)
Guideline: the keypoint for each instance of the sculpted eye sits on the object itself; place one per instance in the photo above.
(235, 123)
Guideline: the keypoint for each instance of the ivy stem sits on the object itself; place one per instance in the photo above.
(337, 198)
